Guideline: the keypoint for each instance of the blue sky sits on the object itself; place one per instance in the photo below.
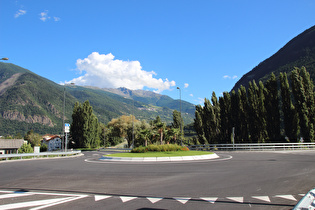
(200, 46)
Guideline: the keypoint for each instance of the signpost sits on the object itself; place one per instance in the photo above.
(67, 130)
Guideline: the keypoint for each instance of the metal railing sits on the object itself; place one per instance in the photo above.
(254, 146)
(37, 155)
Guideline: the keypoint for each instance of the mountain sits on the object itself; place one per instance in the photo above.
(29, 101)
(298, 52)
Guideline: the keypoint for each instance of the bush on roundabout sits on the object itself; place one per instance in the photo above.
(159, 148)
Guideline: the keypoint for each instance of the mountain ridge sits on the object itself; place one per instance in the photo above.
(298, 52)
(29, 101)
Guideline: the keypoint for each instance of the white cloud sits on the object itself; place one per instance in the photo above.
(44, 16)
(56, 19)
(19, 13)
(229, 77)
(192, 95)
(104, 71)
(186, 85)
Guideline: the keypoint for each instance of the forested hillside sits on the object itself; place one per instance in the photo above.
(261, 113)
(298, 52)
(29, 101)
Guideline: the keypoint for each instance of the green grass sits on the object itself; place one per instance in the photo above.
(160, 154)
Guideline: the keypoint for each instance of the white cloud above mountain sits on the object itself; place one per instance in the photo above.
(104, 71)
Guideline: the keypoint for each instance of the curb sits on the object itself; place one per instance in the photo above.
(161, 159)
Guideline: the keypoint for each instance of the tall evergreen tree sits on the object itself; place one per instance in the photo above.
(84, 128)
(298, 89)
(225, 116)
(243, 115)
(272, 109)
(198, 125)
(290, 119)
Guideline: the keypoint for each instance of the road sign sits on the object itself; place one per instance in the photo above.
(67, 127)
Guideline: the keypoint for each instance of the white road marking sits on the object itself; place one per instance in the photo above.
(263, 198)
(101, 197)
(210, 199)
(30, 203)
(127, 198)
(182, 200)
(237, 199)
(154, 200)
(57, 203)
(289, 197)
(14, 195)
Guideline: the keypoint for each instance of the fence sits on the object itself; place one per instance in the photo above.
(37, 155)
(256, 146)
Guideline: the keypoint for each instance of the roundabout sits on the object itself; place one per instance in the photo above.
(161, 159)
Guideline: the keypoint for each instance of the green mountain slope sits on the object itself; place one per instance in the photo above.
(298, 52)
(29, 101)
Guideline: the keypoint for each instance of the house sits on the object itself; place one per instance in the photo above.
(10, 146)
(53, 142)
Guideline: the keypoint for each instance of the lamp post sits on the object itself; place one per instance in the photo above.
(4, 59)
(180, 105)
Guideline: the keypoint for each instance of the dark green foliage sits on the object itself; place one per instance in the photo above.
(290, 118)
(272, 109)
(255, 114)
(84, 129)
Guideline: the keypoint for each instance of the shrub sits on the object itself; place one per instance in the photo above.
(26, 148)
(159, 148)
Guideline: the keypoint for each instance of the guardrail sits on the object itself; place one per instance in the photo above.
(256, 146)
(37, 155)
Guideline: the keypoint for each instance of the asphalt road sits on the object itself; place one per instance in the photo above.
(238, 180)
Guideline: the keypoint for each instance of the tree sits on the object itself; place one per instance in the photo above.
(272, 109)
(300, 87)
(226, 118)
(159, 126)
(178, 123)
(26, 148)
(198, 125)
(84, 129)
(124, 127)
(33, 138)
(290, 118)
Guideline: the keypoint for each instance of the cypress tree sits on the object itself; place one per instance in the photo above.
(290, 118)
(84, 128)
(225, 116)
(253, 116)
(243, 115)
(301, 104)
(198, 125)
(272, 109)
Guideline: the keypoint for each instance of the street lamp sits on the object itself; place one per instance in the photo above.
(180, 102)
(5, 59)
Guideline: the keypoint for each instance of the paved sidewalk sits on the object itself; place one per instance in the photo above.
(158, 159)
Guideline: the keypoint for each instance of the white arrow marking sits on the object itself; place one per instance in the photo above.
(237, 199)
(182, 200)
(263, 198)
(101, 197)
(154, 200)
(210, 199)
(127, 198)
(289, 197)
